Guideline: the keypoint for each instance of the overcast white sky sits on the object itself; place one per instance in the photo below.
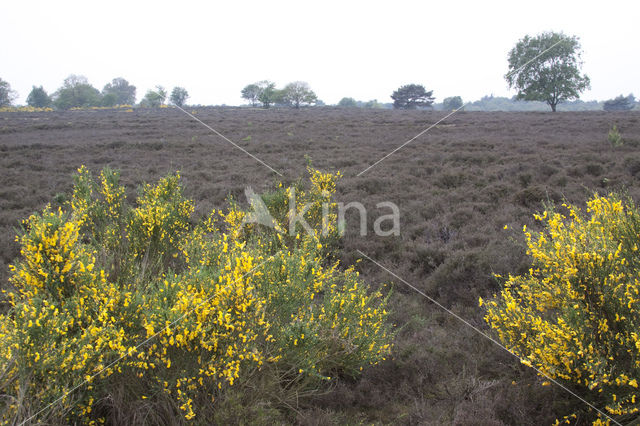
(362, 49)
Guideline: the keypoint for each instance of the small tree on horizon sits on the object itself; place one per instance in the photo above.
(251, 92)
(154, 98)
(179, 96)
(298, 93)
(372, 104)
(412, 96)
(38, 98)
(76, 92)
(119, 92)
(268, 93)
(620, 103)
(7, 95)
(348, 103)
(547, 68)
(279, 98)
(452, 103)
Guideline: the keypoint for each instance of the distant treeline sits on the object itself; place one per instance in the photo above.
(77, 92)
(501, 103)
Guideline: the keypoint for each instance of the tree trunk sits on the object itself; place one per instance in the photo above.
(553, 107)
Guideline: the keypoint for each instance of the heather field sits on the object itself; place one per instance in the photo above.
(465, 189)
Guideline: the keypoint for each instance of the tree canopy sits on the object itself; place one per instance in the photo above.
(38, 98)
(76, 92)
(348, 103)
(268, 93)
(452, 103)
(621, 103)
(7, 96)
(119, 92)
(179, 96)
(298, 93)
(547, 68)
(251, 92)
(412, 96)
(154, 98)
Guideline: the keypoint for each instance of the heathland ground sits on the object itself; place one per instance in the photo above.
(457, 186)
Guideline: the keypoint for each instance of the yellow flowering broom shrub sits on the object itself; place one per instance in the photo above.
(24, 109)
(123, 313)
(319, 313)
(576, 315)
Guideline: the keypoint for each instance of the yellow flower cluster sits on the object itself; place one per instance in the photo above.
(161, 218)
(111, 298)
(24, 109)
(54, 262)
(127, 108)
(99, 207)
(324, 321)
(575, 315)
(65, 321)
(98, 108)
(323, 183)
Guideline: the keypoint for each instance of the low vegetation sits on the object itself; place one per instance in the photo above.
(456, 187)
(615, 139)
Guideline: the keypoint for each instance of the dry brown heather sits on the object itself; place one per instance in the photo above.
(456, 186)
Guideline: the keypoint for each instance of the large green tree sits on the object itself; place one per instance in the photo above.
(412, 96)
(38, 98)
(7, 96)
(76, 92)
(119, 92)
(547, 68)
(298, 93)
